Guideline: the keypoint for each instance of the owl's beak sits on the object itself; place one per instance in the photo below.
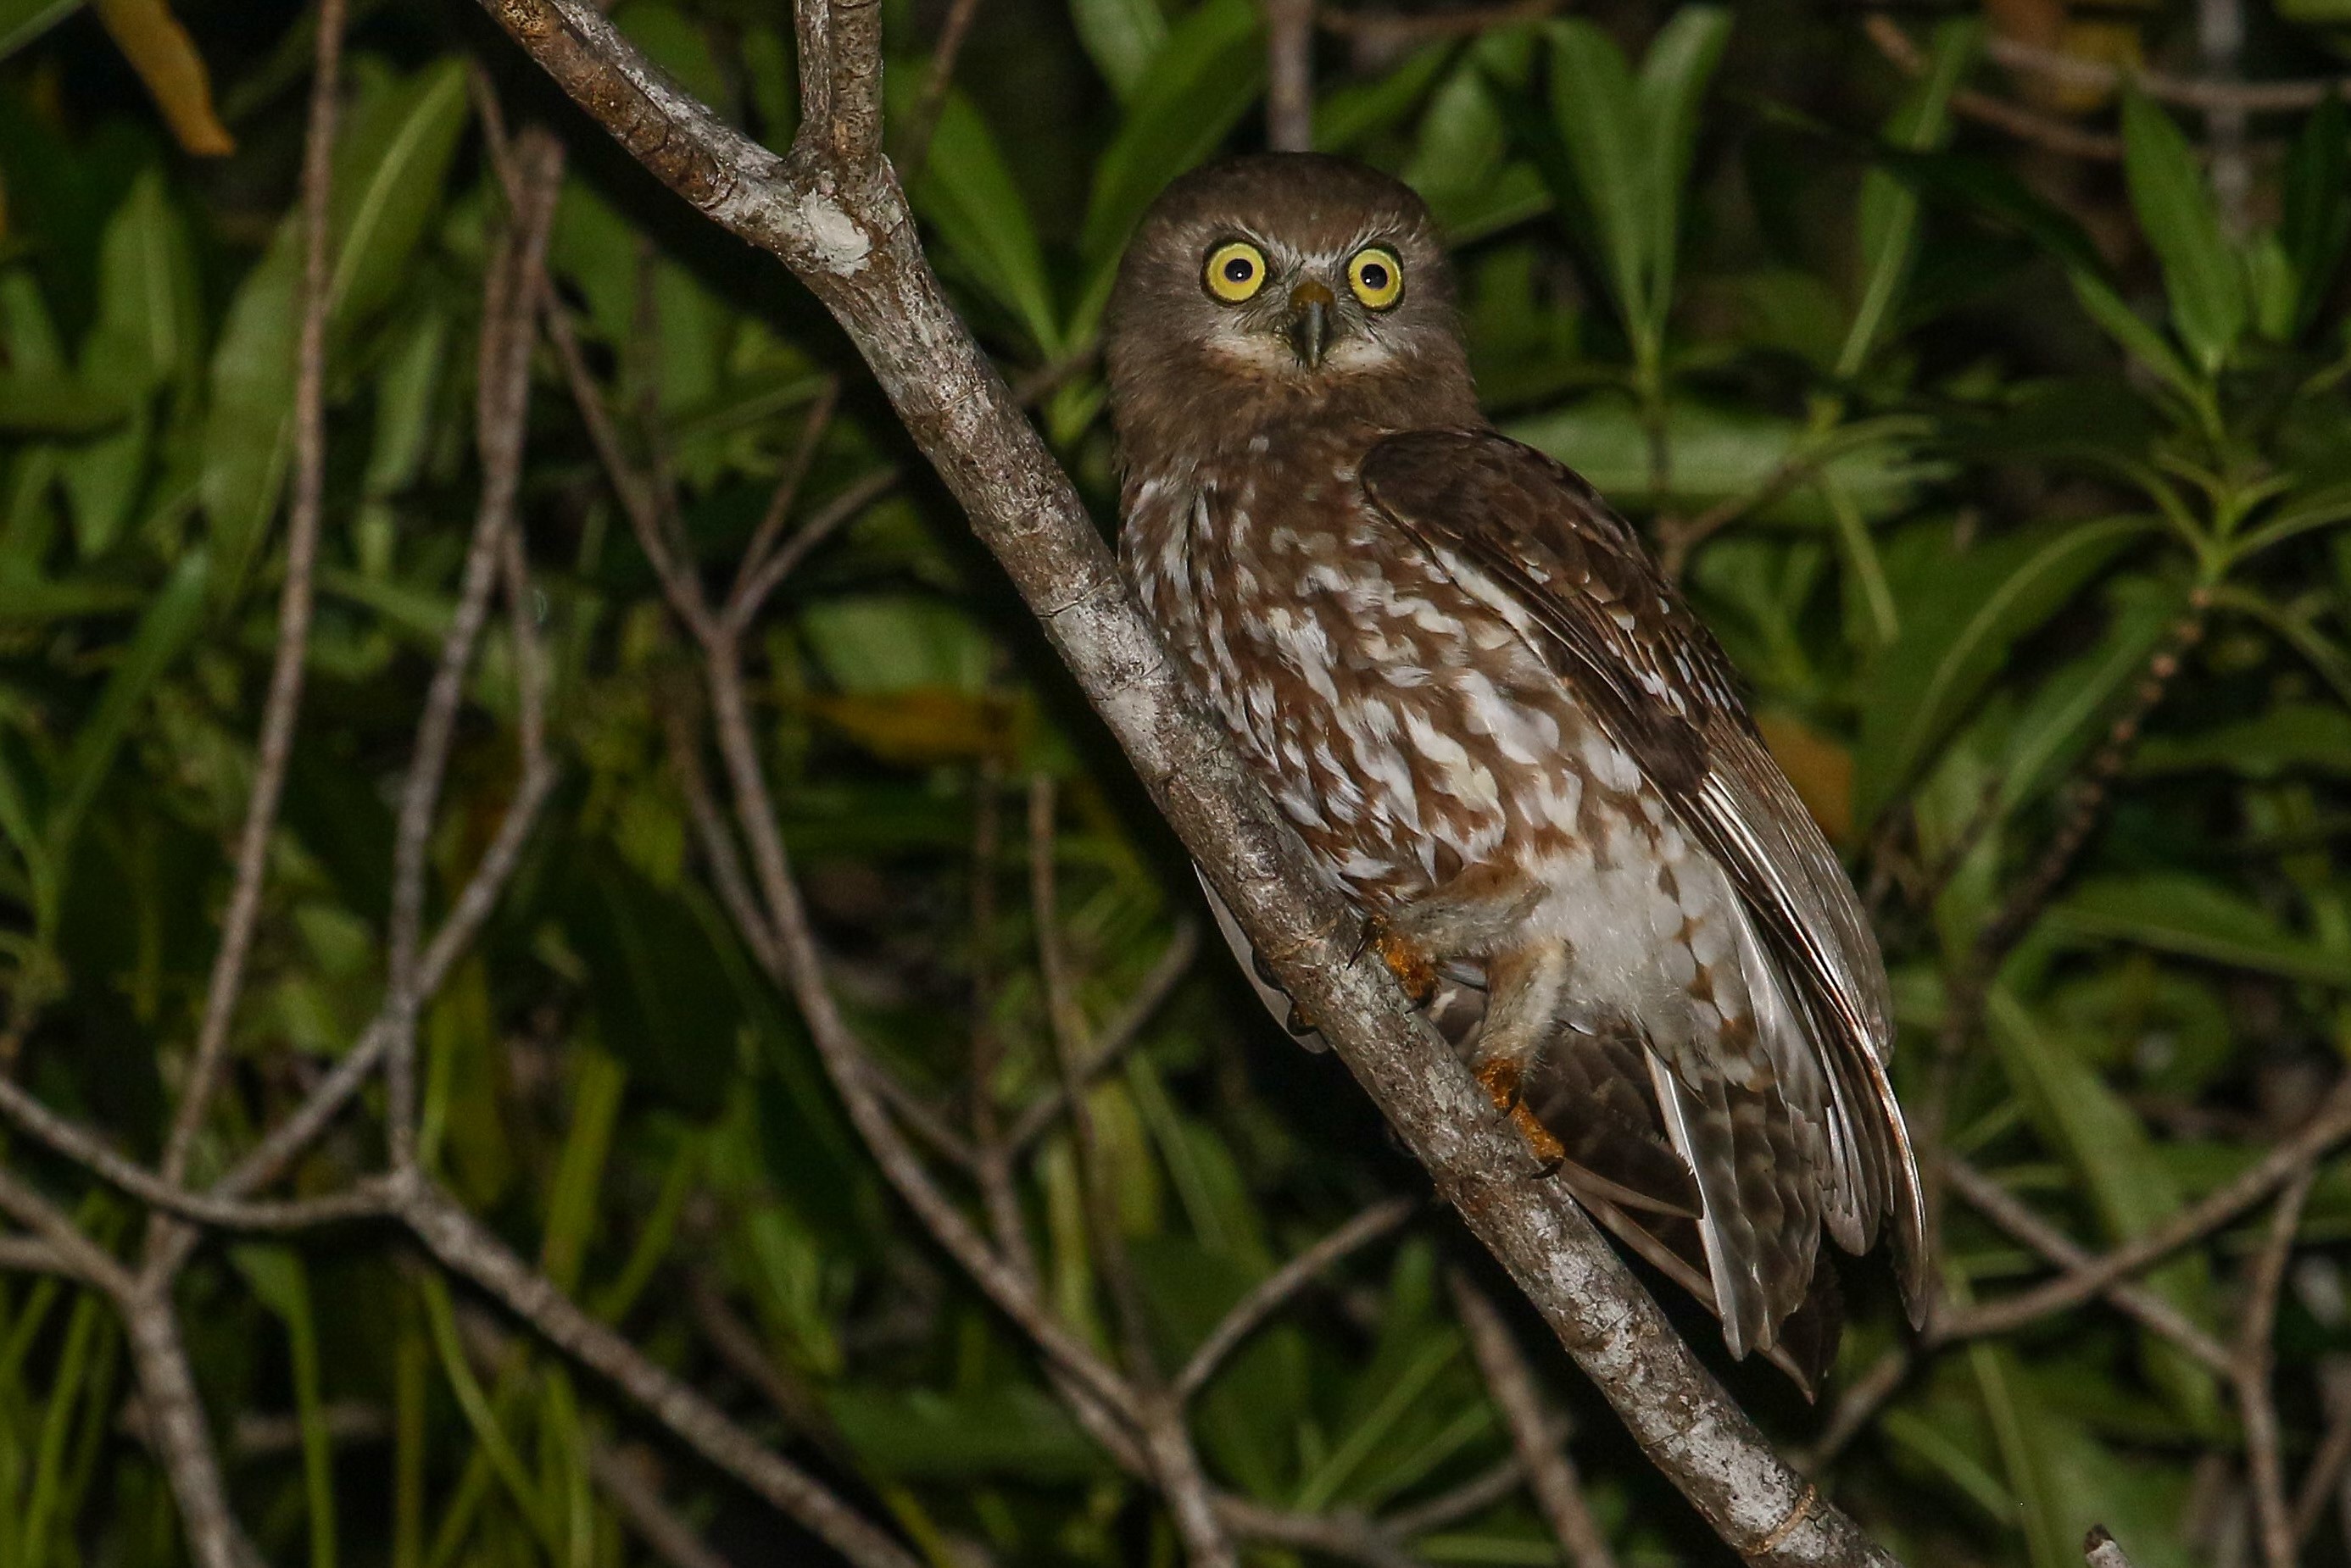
(1308, 327)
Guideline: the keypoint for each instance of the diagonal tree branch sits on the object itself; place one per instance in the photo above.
(832, 212)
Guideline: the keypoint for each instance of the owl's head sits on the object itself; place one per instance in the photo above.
(1293, 276)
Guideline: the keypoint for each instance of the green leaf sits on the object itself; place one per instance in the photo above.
(148, 334)
(2292, 737)
(1889, 209)
(967, 193)
(2108, 1146)
(1674, 76)
(2064, 715)
(2315, 225)
(22, 21)
(1121, 37)
(2201, 272)
(2140, 341)
(280, 1282)
(1201, 81)
(1600, 122)
(37, 403)
(171, 622)
(1720, 453)
(389, 174)
(389, 171)
(1960, 618)
(2174, 912)
(1007, 1431)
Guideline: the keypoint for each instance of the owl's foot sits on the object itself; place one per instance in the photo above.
(1501, 1076)
(1301, 1023)
(1413, 968)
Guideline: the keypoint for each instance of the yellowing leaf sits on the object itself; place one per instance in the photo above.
(165, 57)
(923, 724)
(1818, 765)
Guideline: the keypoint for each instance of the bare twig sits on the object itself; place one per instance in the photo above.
(2020, 1222)
(1474, 1496)
(2024, 124)
(1289, 74)
(1278, 1287)
(1392, 28)
(2256, 1364)
(756, 582)
(1858, 1406)
(952, 33)
(465, 1248)
(1970, 986)
(512, 285)
(2283, 1164)
(2188, 92)
(787, 494)
(1536, 1437)
(177, 1432)
(2327, 1466)
(625, 1477)
(2100, 1550)
(1175, 962)
(283, 704)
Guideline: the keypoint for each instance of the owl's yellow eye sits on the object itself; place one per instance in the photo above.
(1376, 277)
(1236, 271)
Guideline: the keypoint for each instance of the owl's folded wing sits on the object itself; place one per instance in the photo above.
(1530, 537)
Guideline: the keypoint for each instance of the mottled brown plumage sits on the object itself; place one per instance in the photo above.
(1504, 736)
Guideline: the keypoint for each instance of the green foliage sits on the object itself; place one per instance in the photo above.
(1943, 475)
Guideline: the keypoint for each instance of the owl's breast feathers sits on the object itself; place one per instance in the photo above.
(1454, 667)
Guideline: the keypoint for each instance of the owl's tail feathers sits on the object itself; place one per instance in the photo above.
(1806, 1346)
(1717, 1189)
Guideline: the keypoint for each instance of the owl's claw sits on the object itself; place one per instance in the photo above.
(1504, 1084)
(1413, 968)
(1301, 1023)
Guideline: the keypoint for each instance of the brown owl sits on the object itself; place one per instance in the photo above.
(1505, 739)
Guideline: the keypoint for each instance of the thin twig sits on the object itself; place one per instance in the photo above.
(624, 1476)
(2327, 1466)
(1390, 28)
(1272, 1293)
(952, 33)
(2024, 124)
(1535, 1434)
(1289, 74)
(2188, 92)
(2256, 1364)
(2100, 1550)
(511, 292)
(466, 1248)
(1474, 1496)
(1856, 1406)
(284, 706)
(782, 500)
(178, 1433)
(2020, 1222)
(2283, 1164)
(754, 586)
(1174, 962)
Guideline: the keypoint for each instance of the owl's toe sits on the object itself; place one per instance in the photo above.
(1504, 1084)
(1413, 968)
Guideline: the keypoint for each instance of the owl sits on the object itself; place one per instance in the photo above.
(1506, 740)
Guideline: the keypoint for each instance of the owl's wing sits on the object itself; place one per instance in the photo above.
(1528, 537)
